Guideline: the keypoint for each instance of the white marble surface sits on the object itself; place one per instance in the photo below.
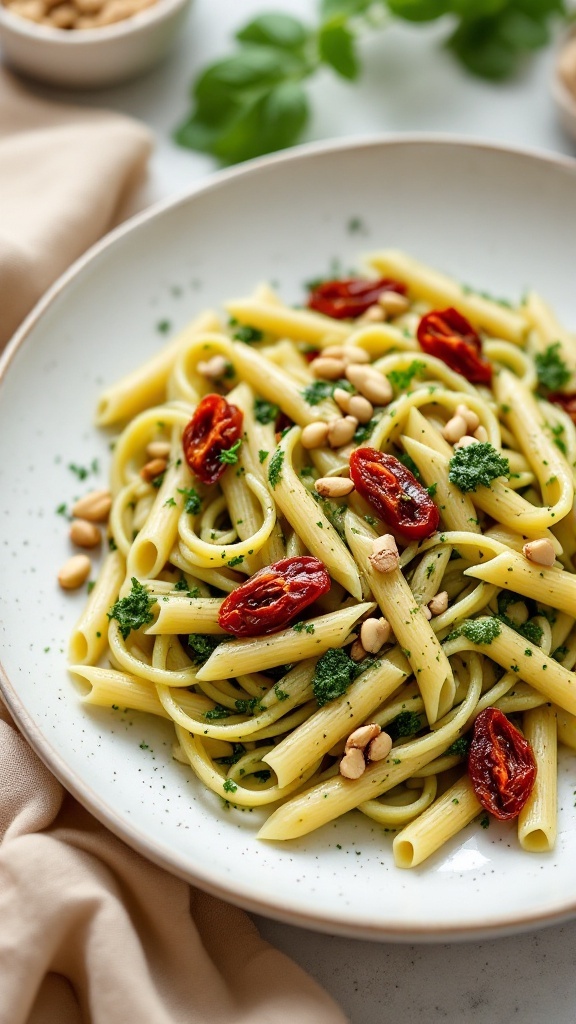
(408, 85)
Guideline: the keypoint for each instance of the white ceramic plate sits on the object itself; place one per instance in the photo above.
(499, 220)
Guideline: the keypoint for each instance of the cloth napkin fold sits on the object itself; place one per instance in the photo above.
(91, 932)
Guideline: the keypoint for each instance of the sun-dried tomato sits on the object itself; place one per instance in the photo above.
(273, 596)
(215, 427)
(501, 765)
(351, 297)
(449, 336)
(568, 403)
(394, 492)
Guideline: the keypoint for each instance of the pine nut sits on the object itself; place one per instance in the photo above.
(385, 557)
(214, 368)
(388, 635)
(472, 420)
(362, 736)
(427, 612)
(63, 16)
(158, 449)
(333, 352)
(314, 434)
(481, 434)
(373, 315)
(370, 383)
(333, 486)
(84, 533)
(393, 303)
(153, 469)
(342, 398)
(341, 431)
(353, 765)
(354, 354)
(373, 634)
(465, 441)
(74, 572)
(380, 747)
(329, 369)
(357, 651)
(439, 603)
(361, 408)
(455, 429)
(94, 506)
(541, 552)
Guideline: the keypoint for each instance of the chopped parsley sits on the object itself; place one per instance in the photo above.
(133, 611)
(80, 471)
(405, 724)
(275, 467)
(432, 490)
(183, 585)
(217, 712)
(238, 750)
(170, 502)
(229, 786)
(529, 630)
(459, 748)
(303, 627)
(249, 335)
(262, 775)
(252, 706)
(280, 694)
(163, 326)
(551, 369)
(481, 631)
(430, 570)
(192, 500)
(235, 561)
(363, 430)
(320, 389)
(265, 412)
(476, 465)
(262, 455)
(333, 674)
(201, 646)
(408, 461)
(557, 432)
(112, 545)
(401, 379)
(484, 821)
(229, 456)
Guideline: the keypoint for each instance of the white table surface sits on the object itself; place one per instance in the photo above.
(409, 84)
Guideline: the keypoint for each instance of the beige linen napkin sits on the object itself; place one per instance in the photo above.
(90, 931)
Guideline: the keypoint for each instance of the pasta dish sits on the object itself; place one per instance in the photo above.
(341, 561)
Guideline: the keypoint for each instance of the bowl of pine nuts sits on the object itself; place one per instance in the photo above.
(84, 44)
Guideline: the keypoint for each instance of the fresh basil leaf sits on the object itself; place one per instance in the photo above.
(522, 31)
(336, 47)
(477, 45)
(419, 10)
(281, 30)
(252, 68)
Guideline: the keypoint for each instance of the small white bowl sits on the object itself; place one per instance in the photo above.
(91, 58)
(564, 99)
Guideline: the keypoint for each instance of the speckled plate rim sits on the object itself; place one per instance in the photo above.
(556, 911)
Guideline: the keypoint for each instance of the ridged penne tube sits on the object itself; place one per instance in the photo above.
(207, 554)
(329, 800)
(89, 637)
(544, 456)
(151, 548)
(202, 765)
(566, 725)
(458, 512)
(337, 719)
(265, 377)
(256, 654)
(380, 338)
(146, 385)
(511, 509)
(512, 571)
(512, 651)
(108, 688)
(299, 324)
(549, 331)
(395, 816)
(440, 291)
(538, 819)
(443, 820)
(178, 613)
(307, 518)
(409, 624)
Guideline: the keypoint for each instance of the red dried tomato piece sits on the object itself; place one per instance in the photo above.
(501, 765)
(351, 297)
(215, 427)
(568, 403)
(449, 336)
(394, 492)
(273, 596)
